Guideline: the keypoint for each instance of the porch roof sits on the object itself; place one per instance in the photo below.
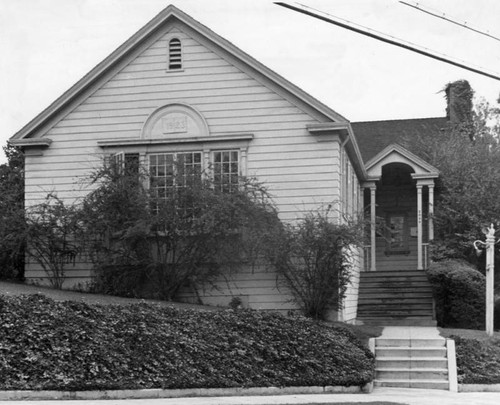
(397, 154)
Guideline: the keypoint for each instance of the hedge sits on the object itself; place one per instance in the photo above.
(48, 345)
(459, 293)
(478, 362)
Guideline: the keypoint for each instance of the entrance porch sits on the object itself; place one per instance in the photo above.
(399, 201)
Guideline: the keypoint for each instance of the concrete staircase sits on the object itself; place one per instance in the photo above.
(395, 297)
(412, 362)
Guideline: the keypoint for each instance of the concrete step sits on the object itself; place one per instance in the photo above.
(410, 352)
(439, 374)
(395, 314)
(397, 294)
(381, 304)
(394, 277)
(404, 362)
(423, 384)
(385, 342)
(390, 273)
(406, 288)
(393, 284)
(394, 299)
(401, 304)
(413, 292)
(383, 321)
(404, 306)
(400, 313)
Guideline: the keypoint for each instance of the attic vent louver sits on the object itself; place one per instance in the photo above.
(174, 54)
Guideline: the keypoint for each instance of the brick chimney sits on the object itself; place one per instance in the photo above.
(459, 102)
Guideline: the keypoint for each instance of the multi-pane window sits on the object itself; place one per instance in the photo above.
(169, 170)
(349, 185)
(226, 170)
(125, 164)
(174, 54)
(184, 169)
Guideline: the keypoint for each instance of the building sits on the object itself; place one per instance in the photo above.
(176, 89)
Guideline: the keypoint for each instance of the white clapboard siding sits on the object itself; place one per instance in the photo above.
(301, 173)
(259, 289)
(228, 101)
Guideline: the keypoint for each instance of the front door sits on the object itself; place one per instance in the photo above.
(397, 218)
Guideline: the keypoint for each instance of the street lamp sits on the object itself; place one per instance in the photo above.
(490, 272)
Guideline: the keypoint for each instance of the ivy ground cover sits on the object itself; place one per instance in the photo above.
(49, 345)
(478, 362)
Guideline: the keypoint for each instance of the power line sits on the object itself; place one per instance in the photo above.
(385, 38)
(444, 17)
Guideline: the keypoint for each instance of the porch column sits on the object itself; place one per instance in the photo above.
(419, 227)
(431, 211)
(373, 224)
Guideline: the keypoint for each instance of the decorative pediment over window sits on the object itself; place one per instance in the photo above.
(175, 121)
(397, 154)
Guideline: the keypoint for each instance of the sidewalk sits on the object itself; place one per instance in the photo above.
(393, 395)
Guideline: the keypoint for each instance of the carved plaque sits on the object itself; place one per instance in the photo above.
(174, 121)
(172, 125)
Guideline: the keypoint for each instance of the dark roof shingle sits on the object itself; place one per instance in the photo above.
(374, 136)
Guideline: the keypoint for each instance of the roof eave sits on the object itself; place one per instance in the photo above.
(96, 72)
(348, 139)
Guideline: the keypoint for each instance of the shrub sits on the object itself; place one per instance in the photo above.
(76, 346)
(121, 280)
(459, 292)
(51, 230)
(467, 155)
(12, 236)
(314, 259)
(150, 243)
(478, 362)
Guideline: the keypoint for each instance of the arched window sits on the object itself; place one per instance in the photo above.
(174, 54)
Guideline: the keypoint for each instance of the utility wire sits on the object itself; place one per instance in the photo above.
(443, 16)
(385, 38)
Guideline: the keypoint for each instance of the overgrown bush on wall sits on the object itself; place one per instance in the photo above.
(467, 155)
(459, 292)
(151, 242)
(314, 258)
(12, 240)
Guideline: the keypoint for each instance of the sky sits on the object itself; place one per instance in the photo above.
(46, 46)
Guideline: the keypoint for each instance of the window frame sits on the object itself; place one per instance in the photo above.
(207, 145)
(223, 186)
(207, 163)
(174, 168)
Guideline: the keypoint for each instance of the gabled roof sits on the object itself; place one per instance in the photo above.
(157, 23)
(374, 136)
(397, 154)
